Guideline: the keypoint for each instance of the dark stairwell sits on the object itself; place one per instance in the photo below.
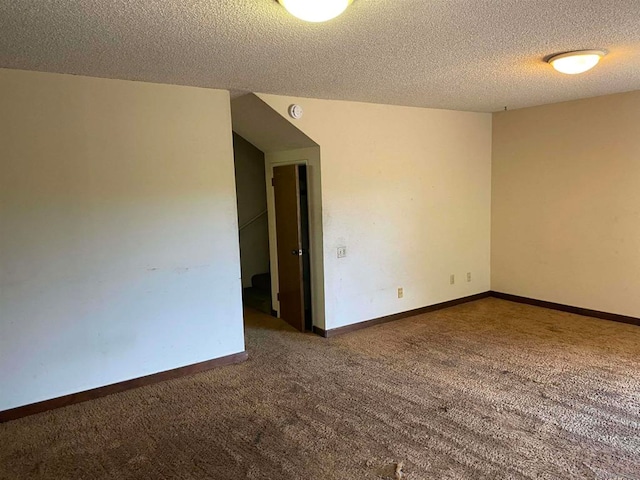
(258, 295)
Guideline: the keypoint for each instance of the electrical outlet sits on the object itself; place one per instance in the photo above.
(400, 292)
(342, 252)
(452, 279)
(468, 276)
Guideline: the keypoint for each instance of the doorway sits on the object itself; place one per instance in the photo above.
(253, 230)
(285, 144)
(290, 191)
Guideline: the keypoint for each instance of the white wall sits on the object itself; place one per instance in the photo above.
(310, 157)
(407, 191)
(252, 201)
(118, 242)
(566, 203)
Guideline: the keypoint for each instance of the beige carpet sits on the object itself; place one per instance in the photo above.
(489, 389)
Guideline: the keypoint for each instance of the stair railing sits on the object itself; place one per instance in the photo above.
(246, 224)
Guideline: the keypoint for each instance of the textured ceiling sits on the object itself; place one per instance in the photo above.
(479, 55)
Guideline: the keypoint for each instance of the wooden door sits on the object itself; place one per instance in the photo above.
(286, 183)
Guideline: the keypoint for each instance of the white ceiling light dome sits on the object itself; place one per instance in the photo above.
(315, 10)
(576, 62)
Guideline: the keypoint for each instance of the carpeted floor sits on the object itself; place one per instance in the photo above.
(489, 389)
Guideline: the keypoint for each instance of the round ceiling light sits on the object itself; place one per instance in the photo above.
(315, 10)
(579, 61)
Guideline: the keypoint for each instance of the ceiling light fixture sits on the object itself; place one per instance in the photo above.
(315, 10)
(576, 62)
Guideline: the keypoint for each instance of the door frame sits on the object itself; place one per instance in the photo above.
(311, 158)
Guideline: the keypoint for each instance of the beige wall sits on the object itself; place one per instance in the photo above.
(252, 201)
(118, 232)
(407, 191)
(566, 203)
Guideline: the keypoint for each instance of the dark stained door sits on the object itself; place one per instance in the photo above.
(286, 183)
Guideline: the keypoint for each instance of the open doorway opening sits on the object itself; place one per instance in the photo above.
(306, 245)
(253, 226)
(287, 148)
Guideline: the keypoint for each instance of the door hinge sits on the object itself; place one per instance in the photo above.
(273, 181)
(278, 296)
